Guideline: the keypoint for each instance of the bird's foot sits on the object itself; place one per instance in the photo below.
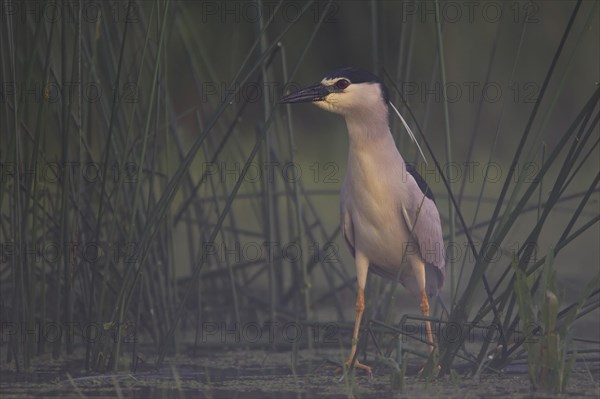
(431, 367)
(435, 373)
(429, 371)
(357, 365)
(361, 366)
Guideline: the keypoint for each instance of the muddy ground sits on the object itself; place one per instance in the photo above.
(267, 374)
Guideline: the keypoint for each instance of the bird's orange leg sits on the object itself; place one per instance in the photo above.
(425, 311)
(360, 309)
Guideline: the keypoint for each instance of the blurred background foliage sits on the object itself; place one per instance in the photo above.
(125, 133)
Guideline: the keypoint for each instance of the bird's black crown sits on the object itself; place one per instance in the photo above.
(358, 75)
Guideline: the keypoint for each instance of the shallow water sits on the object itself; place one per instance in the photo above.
(262, 374)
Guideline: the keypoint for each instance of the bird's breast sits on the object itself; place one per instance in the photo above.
(373, 194)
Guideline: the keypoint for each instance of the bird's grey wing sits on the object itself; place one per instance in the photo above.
(424, 223)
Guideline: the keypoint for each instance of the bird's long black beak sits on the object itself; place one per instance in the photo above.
(313, 93)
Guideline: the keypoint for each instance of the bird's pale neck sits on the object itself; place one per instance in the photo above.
(369, 127)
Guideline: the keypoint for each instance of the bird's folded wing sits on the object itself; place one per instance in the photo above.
(425, 230)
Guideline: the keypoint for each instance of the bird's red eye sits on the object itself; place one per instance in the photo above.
(342, 84)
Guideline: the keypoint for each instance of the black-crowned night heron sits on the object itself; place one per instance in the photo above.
(388, 214)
